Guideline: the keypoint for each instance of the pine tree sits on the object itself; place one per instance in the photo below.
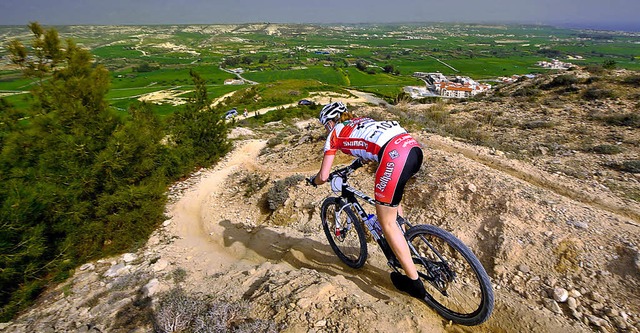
(199, 131)
(80, 182)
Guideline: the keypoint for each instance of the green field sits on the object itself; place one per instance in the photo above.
(324, 74)
(163, 57)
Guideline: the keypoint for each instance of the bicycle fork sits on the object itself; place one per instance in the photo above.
(341, 230)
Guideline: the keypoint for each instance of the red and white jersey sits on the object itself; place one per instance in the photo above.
(361, 137)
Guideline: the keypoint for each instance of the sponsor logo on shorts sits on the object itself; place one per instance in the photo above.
(386, 176)
(408, 140)
(393, 154)
(412, 142)
(400, 139)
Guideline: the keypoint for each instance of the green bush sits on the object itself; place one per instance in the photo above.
(535, 124)
(632, 166)
(595, 69)
(632, 80)
(593, 79)
(279, 193)
(606, 149)
(146, 67)
(563, 80)
(526, 92)
(569, 90)
(594, 93)
(624, 119)
(609, 64)
(84, 182)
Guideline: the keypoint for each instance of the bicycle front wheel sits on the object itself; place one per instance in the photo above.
(344, 232)
(458, 286)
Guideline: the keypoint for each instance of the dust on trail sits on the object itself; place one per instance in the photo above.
(190, 212)
(212, 241)
(209, 243)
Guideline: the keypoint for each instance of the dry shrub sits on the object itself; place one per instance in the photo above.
(568, 252)
(632, 80)
(176, 311)
(535, 124)
(230, 317)
(253, 182)
(606, 149)
(621, 119)
(180, 312)
(632, 166)
(598, 93)
(564, 80)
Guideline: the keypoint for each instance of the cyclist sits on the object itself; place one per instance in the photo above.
(399, 157)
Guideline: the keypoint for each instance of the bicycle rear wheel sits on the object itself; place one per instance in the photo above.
(344, 232)
(458, 286)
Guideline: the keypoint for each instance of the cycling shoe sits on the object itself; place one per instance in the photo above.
(414, 288)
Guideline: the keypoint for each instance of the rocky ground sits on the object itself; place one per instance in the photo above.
(557, 230)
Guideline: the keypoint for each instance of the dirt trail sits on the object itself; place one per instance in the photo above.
(321, 98)
(214, 241)
(203, 242)
(212, 244)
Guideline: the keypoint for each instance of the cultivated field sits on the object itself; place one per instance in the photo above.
(147, 59)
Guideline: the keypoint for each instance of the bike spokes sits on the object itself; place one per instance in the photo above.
(451, 281)
(344, 233)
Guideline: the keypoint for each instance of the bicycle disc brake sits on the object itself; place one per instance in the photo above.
(341, 231)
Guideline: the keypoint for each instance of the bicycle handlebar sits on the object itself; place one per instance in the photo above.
(343, 172)
(357, 163)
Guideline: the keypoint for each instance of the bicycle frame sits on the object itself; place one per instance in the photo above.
(437, 271)
(350, 195)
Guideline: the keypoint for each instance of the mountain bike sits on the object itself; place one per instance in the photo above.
(457, 285)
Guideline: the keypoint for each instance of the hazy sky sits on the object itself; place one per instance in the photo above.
(612, 14)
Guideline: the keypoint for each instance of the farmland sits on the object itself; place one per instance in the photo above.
(375, 58)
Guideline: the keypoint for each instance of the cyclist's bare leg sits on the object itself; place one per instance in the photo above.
(387, 217)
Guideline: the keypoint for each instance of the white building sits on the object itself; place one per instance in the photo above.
(233, 81)
(458, 87)
(555, 64)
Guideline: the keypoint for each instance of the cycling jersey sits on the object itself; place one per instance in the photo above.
(361, 137)
(386, 142)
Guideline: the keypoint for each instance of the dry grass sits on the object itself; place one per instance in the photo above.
(180, 312)
(568, 256)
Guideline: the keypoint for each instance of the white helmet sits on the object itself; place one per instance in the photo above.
(331, 111)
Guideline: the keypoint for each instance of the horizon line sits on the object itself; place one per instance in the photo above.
(630, 27)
